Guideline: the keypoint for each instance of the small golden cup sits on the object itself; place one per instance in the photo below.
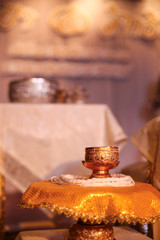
(101, 160)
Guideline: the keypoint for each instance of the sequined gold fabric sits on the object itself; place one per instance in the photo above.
(139, 203)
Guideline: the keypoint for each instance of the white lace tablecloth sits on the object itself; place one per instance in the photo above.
(120, 233)
(38, 141)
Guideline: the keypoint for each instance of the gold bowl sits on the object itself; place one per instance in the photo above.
(101, 160)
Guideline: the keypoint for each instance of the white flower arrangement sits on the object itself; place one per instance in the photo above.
(116, 180)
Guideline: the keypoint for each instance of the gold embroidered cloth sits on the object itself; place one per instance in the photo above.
(139, 203)
(147, 141)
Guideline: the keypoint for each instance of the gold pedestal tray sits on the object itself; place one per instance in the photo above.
(95, 207)
(139, 203)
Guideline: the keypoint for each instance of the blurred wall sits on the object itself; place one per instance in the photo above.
(109, 47)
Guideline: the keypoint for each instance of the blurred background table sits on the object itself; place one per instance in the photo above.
(38, 141)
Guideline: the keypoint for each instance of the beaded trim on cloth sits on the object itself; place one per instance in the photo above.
(138, 203)
(93, 219)
(116, 180)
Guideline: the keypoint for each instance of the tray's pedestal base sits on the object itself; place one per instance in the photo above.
(82, 231)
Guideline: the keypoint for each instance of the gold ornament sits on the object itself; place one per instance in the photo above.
(12, 14)
(68, 21)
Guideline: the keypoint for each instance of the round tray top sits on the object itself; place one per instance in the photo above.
(138, 203)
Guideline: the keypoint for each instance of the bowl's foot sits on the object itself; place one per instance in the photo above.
(82, 231)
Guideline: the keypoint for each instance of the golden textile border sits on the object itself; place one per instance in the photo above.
(121, 218)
